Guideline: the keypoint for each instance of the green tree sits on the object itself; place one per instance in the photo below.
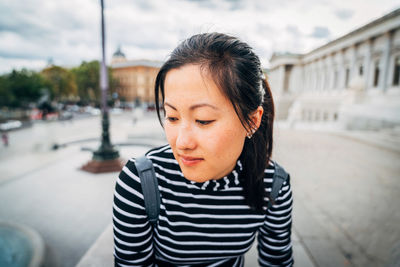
(6, 96)
(19, 88)
(87, 77)
(62, 82)
(87, 80)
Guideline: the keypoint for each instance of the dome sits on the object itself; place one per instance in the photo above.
(118, 56)
(119, 53)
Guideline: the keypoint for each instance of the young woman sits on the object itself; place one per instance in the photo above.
(215, 174)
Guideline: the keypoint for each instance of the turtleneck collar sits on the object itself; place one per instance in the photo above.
(224, 183)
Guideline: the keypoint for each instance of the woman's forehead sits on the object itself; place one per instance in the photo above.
(192, 83)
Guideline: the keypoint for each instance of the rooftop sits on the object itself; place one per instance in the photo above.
(135, 63)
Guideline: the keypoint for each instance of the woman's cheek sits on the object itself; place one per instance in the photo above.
(229, 141)
(170, 133)
(218, 138)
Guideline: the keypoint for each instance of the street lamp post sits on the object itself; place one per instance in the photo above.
(106, 157)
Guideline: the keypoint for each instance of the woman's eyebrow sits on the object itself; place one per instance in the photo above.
(193, 106)
(203, 105)
(169, 105)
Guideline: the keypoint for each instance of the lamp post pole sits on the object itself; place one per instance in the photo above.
(106, 151)
(106, 157)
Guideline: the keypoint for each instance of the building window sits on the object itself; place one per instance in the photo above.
(360, 70)
(346, 81)
(376, 74)
(396, 74)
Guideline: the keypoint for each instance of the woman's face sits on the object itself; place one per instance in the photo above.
(201, 125)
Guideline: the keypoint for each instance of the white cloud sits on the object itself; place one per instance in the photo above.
(68, 31)
(8, 64)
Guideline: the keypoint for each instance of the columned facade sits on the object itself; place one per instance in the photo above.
(352, 82)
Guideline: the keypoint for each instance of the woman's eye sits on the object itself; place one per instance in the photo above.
(171, 119)
(202, 122)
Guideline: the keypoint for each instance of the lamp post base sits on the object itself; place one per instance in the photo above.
(103, 166)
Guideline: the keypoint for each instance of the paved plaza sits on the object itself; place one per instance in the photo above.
(346, 190)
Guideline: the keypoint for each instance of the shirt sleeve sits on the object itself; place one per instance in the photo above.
(274, 236)
(133, 235)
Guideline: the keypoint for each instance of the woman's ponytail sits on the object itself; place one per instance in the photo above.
(256, 154)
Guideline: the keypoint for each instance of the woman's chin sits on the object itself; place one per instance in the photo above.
(195, 177)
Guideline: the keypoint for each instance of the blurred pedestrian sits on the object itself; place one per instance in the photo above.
(4, 137)
(216, 177)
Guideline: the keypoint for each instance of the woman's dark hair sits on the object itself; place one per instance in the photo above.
(236, 70)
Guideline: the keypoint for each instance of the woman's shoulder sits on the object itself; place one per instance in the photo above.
(163, 162)
(273, 166)
(158, 155)
(272, 170)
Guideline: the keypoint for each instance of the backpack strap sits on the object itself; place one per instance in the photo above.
(151, 194)
(280, 176)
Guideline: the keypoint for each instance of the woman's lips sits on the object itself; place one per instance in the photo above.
(190, 161)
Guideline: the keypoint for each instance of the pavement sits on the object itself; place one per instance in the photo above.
(346, 192)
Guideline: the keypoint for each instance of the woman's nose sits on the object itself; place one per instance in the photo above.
(185, 139)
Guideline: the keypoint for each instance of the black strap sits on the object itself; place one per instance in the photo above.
(149, 183)
(280, 176)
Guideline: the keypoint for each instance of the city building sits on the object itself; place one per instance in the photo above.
(352, 82)
(136, 77)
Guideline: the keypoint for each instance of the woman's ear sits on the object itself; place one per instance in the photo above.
(256, 117)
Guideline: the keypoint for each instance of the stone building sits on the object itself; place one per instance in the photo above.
(136, 77)
(352, 82)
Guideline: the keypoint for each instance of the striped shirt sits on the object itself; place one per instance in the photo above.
(200, 224)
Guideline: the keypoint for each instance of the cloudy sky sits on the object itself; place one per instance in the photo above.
(68, 31)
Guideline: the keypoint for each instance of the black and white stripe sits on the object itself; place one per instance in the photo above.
(200, 224)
